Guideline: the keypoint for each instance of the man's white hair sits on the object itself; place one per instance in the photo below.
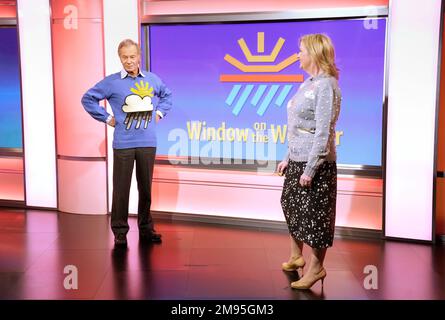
(128, 43)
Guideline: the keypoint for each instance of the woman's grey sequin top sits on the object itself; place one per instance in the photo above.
(312, 114)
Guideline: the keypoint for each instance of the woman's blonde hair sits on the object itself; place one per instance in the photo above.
(321, 50)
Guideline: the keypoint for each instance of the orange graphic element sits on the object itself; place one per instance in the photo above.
(263, 58)
(261, 68)
(261, 78)
(260, 41)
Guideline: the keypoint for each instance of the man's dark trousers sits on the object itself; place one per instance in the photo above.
(122, 172)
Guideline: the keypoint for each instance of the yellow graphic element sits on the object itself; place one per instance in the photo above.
(143, 89)
(278, 132)
(257, 58)
(260, 68)
(338, 134)
(261, 58)
(200, 131)
(260, 37)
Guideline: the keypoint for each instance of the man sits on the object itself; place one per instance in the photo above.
(134, 95)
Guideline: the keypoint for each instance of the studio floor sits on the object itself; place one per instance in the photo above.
(198, 261)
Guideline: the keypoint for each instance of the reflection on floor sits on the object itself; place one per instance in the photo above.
(196, 261)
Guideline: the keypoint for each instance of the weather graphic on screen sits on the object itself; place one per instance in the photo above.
(231, 84)
(258, 72)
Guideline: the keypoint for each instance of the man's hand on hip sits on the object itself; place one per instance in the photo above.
(112, 122)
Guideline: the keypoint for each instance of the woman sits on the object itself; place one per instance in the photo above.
(310, 188)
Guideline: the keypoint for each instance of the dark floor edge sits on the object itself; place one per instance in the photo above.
(12, 204)
(258, 224)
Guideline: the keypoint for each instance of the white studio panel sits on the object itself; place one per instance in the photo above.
(121, 21)
(38, 103)
(414, 33)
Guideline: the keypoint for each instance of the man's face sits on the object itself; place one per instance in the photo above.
(130, 59)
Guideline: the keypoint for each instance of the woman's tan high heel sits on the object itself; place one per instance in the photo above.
(302, 285)
(294, 264)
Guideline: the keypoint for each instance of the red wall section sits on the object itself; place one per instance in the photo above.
(441, 130)
(78, 64)
(87, 9)
(8, 9)
(440, 207)
(159, 7)
(84, 187)
(440, 188)
(12, 185)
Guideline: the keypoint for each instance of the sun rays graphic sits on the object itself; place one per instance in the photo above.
(143, 89)
(260, 73)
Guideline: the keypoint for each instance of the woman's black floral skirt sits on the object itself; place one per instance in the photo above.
(310, 211)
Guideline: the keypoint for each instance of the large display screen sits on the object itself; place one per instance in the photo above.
(231, 84)
(10, 109)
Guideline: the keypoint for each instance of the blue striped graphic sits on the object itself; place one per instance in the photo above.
(242, 99)
(283, 95)
(267, 100)
(258, 94)
(233, 94)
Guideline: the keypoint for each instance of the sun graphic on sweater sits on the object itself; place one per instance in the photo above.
(143, 89)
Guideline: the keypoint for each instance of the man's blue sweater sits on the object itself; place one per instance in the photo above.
(134, 102)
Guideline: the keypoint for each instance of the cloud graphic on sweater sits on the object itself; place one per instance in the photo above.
(134, 103)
